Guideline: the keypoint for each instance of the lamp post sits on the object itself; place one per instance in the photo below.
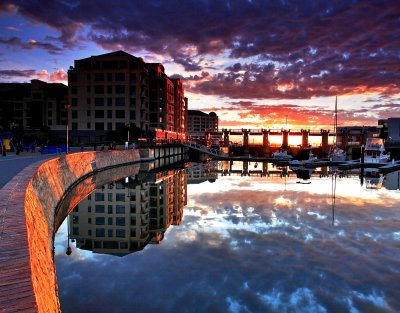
(129, 128)
(67, 106)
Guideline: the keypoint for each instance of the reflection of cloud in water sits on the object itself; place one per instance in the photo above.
(236, 251)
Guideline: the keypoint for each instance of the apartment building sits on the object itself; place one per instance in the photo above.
(161, 98)
(108, 92)
(120, 92)
(125, 216)
(199, 122)
(32, 106)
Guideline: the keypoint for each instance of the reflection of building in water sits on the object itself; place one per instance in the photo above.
(202, 172)
(392, 181)
(124, 216)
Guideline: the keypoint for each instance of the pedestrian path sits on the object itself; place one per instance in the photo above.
(12, 164)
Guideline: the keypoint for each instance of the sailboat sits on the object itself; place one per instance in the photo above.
(336, 154)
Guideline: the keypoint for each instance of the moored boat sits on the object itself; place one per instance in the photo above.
(375, 151)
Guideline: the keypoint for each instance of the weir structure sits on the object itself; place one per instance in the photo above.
(30, 216)
(265, 133)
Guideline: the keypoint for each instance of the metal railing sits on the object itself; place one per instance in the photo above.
(204, 149)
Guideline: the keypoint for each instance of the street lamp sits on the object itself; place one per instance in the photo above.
(129, 128)
(67, 106)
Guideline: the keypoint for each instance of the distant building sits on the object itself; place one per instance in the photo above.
(200, 122)
(393, 126)
(355, 136)
(33, 106)
(120, 92)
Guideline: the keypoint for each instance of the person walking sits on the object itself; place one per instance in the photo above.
(4, 151)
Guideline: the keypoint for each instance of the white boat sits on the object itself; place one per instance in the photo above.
(373, 179)
(375, 151)
(335, 153)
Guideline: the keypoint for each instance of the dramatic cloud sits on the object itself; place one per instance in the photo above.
(251, 244)
(306, 49)
(59, 76)
(16, 42)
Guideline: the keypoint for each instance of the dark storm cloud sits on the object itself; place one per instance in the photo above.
(17, 73)
(16, 42)
(312, 48)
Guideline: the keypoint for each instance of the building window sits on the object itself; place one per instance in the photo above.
(99, 126)
(109, 102)
(110, 197)
(110, 209)
(120, 209)
(74, 126)
(119, 126)
(75, 219)
(75, 231)
(74, 114)
(74, 77)
(100, 232)
(132, 103)
(120, 185)
(110, 233)
(98, 196)
(120, 101)
(74, 90)
(109, 114)
(99, 89)
(132, 115)
(120, 221)
(110, 221)
(120, 89)
(109, 126)
(49, 122)
(120, 233)
(88, 126)
(123, 245)
(119, 77)
(120, 114)
(87, 100)
(88, 89)
(99, 114)
(109, 89)
(100, 220)
(120, 197)
(99, 102)
(99, 208)
(74, 102)
(109, 77)
(99, 77)
(88, 113)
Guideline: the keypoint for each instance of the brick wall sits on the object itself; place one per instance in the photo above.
(30, 217)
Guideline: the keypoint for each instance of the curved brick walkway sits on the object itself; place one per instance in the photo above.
(27, 211)
(15, 274)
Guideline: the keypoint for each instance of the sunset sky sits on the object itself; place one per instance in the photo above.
(252, 62)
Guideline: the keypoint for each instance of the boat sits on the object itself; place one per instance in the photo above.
(373, 179)
(375, 151)
(336, 153)
(282, 156)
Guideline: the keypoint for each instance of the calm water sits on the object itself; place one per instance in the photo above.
(215, 243)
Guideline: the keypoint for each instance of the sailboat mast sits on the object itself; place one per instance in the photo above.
(335, 122)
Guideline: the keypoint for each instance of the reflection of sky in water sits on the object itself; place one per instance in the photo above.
(250, 244)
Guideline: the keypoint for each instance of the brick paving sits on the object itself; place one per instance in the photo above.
(16, 293)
